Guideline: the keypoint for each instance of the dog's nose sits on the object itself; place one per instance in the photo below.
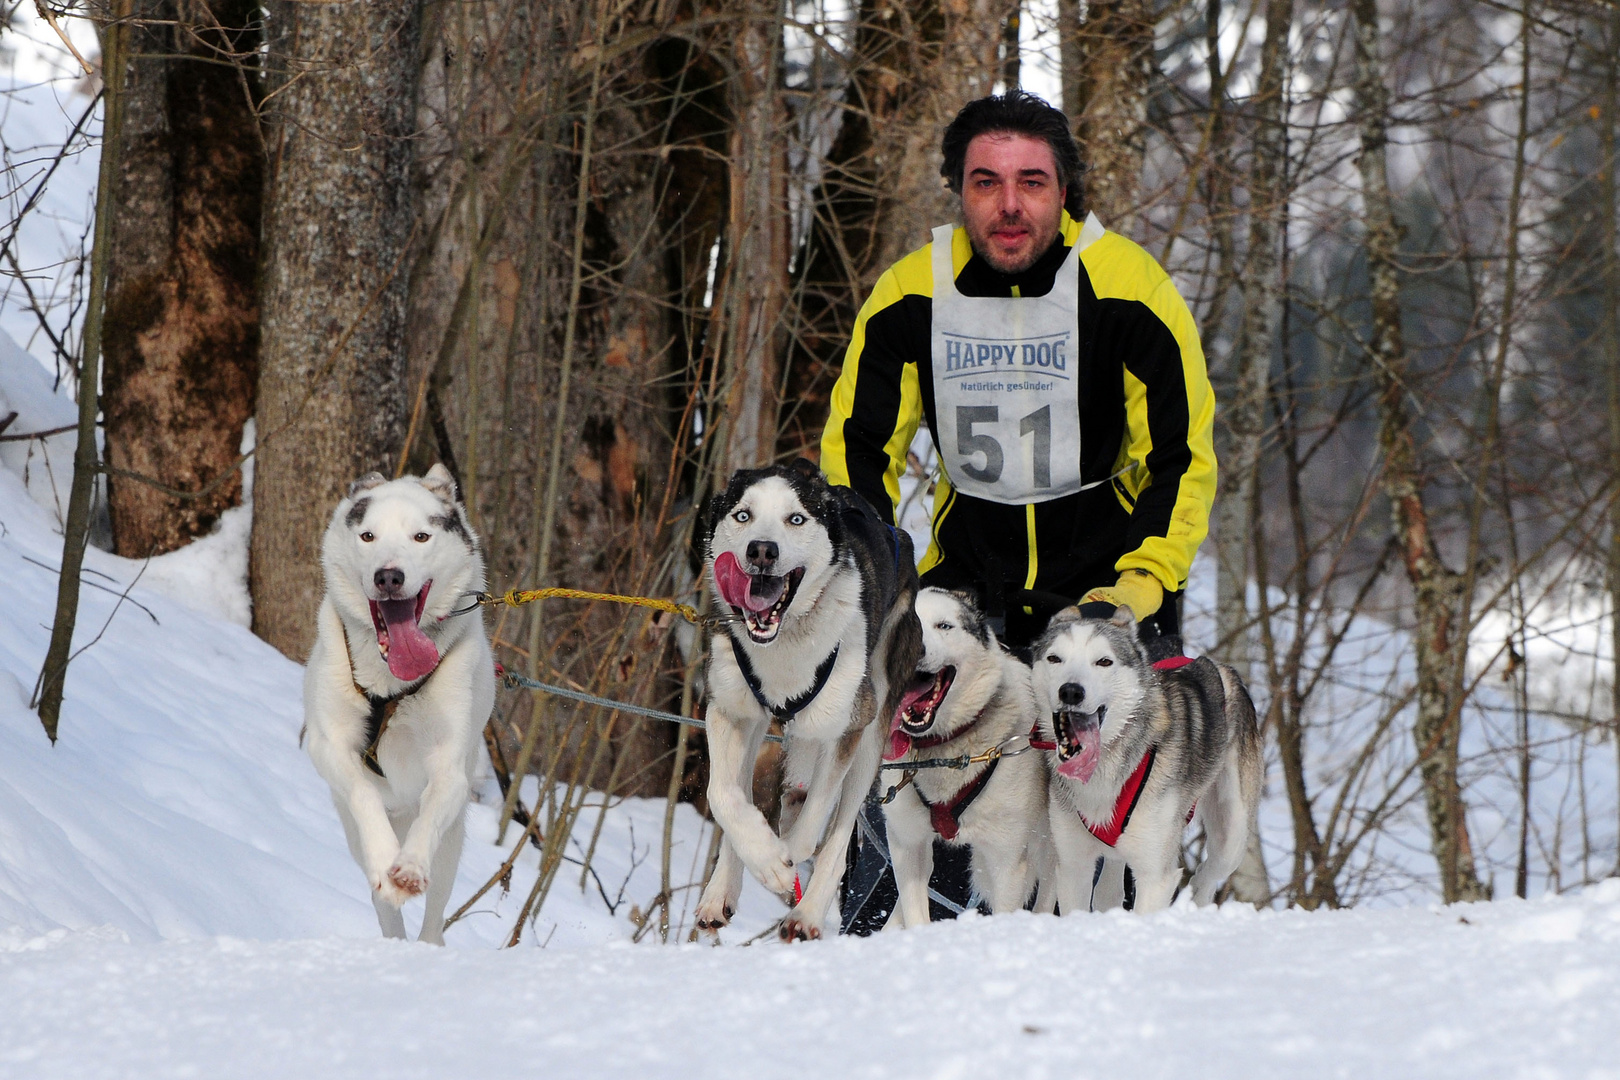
(1071, 693)
(763, 553)
(389, 580)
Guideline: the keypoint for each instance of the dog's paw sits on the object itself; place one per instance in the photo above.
(404, 880)
(711, 917)
(800, 849)
(796, 928)
(776, 872)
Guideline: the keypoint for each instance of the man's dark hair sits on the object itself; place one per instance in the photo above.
(1017, 113)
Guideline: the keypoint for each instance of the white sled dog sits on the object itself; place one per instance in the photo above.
(968, 695)
(397, 689)
(1138, 753)
(822, 638)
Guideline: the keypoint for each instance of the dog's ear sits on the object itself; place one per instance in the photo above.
(1124, 618)
(439, 481)
(807, 469)
(1070, 614)
(366, 483)
(706, 523)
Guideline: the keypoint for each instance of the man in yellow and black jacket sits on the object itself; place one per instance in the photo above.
(1063, 384)
(1120, 404)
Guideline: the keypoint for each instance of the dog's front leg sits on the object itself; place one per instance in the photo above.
(1077, 852)
(805, 920)
(389, 919)
(441, 879)
(371, 835)
(1157, 868)
(1043, 867)
(1000, 874)
(911, 852)
(826, 780)
(803, 836)
(719, 901)
(733, 748)
(443, 802)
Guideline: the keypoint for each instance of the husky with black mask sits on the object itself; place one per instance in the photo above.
(820, 636)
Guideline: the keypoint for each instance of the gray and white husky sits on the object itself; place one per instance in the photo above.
(397, 688)
(969, 694)
(822, 637)
(1139, 753)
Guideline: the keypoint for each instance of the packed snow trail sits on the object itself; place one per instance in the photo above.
(1511, 989)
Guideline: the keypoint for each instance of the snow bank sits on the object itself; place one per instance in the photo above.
(177, 803)
(1491, 990)
(44, 465)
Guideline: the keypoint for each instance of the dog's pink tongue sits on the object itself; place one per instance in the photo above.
(410, 654)
(899, 741)
(735, 584)
(1082, 765)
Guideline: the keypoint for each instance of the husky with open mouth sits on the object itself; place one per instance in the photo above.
(398, 687)
(969, 694)
(1139, 753)
(821, 636)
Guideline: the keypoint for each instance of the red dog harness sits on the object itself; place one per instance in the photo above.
(1110, 832)
(946, 817)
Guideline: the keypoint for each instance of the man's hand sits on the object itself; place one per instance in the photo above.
(1136, 589)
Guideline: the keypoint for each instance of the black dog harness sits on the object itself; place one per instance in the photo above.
(793, 706)
(382, 711)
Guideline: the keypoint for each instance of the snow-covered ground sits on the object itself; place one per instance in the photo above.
(176, 900)
(1518, 989)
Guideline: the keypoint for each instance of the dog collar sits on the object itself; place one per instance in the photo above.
(793, 706)
(946, 817)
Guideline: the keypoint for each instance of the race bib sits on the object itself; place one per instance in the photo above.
(1005, 392)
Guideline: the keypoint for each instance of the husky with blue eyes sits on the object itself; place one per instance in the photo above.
(399, 686)
(819, 634)
(969, 694)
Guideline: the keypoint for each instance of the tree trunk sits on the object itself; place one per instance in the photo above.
(1106, 54)
(757, 264)
(1607, 212)
(1437, 589)
(1245, 416)
(182, 323)
(340, 219)
(48, 691)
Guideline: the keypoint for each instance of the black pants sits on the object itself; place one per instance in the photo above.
(869, 892)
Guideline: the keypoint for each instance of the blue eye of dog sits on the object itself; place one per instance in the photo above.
(1105, 662)
(943, 626)
(741, 517)
(367, 537)
(422, 537)
(1054, 659)
(796, 519)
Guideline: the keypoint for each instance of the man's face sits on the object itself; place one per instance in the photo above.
(1012, 203)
